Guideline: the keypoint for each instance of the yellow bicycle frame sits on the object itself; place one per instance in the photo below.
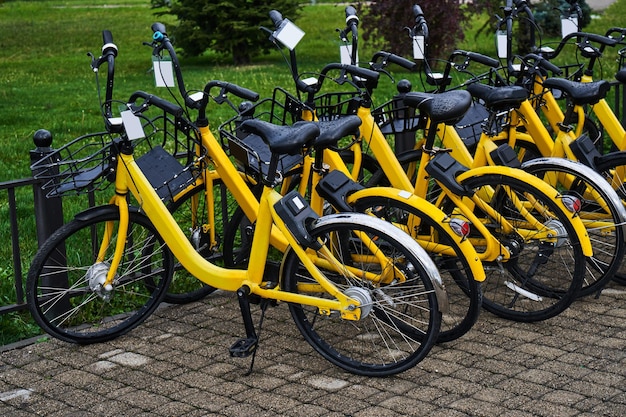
(494, 250)
(130, 178)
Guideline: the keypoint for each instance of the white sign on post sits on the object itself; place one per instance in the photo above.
(502, 43)
(345, 51)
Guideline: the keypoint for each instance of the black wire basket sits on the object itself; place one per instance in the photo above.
(170, 154)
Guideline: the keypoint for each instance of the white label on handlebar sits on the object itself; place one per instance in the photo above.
(288, 34)
(197, 96)
(418, 47)
(569, 25)
(132, 125)
(502, 43)
(310, 81)
(163, 72)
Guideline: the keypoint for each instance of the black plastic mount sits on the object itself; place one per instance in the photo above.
(505, 155)
(444, 168)
(298, 215)
(335, 187)
(585, 150)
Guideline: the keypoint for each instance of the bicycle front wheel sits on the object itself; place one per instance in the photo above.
(545, 271)
(64, 285)
(396, 284)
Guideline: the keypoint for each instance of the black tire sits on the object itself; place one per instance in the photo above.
(464, 292)
(62, 288)
(191, 215)
(404, 320)
(511, 289)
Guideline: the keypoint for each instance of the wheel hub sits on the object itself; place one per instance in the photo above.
(96, 276)
(561, 232)
(363, 297)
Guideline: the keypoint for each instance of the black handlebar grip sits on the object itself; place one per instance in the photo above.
(403, 62)
(108, 47)
(158, 27)
(107, 37)
(351, 17)
(235, 89)
(277, 18)
(242, 92)
(171, 108)
(480, 58)
(361, 72)
(417, 11)
(483, 59)
(544, 63)
(593, 37)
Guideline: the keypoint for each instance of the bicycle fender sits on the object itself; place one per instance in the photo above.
(589, 175)
(402, 238)
(535, 182)
(97, 211)
(432, 212)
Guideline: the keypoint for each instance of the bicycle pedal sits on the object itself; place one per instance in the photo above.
(243, 348)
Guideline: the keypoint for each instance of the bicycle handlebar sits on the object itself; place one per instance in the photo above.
(150, 99)
(543, 63)
(351, 18)
(587, 49)
(276, 17)
(109, 53)
(231, 88)
(394, 59)
(162, 41)
(475, 56)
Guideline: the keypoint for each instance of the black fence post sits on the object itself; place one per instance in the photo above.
(48, 218)
(48, 211)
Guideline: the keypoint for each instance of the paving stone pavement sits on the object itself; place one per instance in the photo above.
(177, 364)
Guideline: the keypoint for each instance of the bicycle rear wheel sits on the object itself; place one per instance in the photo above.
(601, 215)
(400, 317)
(543, 276)
(602, 212)
(64, 285)
(612, 167)
(191, 213)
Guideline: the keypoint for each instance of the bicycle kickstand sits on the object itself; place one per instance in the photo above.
(247, 346)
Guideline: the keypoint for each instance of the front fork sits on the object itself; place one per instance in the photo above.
(122, 229)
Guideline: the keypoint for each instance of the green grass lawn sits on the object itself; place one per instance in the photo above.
(46, 82)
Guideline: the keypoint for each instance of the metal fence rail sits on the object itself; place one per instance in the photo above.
(10, 187)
